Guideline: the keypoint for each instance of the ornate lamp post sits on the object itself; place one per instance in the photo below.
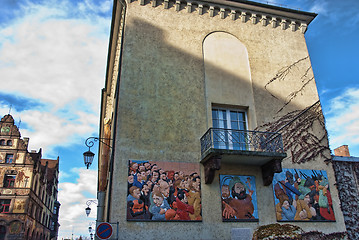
(88, 209)
(89, 142)
(91, 230)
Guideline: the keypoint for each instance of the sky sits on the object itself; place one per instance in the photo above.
(53, 56)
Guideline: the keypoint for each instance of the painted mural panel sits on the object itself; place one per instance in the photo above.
(239, 198)
(163, 191)
(302, 195)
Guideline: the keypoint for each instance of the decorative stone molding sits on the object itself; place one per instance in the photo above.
(254, 18)
(212, 7)
(211, 11)
(200, 9)
(283, 24)
(189, 7)
(233, 15)
(222, 13)
(274, 22)
(264, 21)
(243, 17)
(178, 5)
(303, 27)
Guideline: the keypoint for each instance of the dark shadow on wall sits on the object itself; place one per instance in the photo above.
(167, 87)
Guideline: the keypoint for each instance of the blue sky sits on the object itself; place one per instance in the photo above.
(53, 57)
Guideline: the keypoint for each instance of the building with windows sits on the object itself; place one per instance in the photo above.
(212, 123)
(29, 187)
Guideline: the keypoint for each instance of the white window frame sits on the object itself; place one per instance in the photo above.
(229, 123)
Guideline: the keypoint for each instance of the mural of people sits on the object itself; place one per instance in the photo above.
(239, 198)
(163, 191)
(302, 195)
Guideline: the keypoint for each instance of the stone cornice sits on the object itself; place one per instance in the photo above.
(244, 11)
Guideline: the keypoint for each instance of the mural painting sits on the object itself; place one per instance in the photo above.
(163, 191)
(239, 198)
(302, 195)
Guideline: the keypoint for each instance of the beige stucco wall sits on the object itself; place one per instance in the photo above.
(165, 107)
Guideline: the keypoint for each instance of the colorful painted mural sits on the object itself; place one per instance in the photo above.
(302, 195)
(163, 191)
(239, 198)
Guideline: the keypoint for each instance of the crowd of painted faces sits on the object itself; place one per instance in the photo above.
(155, 194)
(303, 198)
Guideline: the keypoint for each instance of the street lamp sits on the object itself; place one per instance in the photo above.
(91, 230)
(88, 209)
(89, 142)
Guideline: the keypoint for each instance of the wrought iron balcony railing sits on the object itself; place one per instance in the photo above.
(231, 139)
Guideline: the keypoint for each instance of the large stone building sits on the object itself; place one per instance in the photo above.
(214, 122)
(29, 187)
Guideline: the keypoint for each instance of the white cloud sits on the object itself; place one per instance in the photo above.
(56, 53)
(320, 7)
(73, 197)
(343, 120)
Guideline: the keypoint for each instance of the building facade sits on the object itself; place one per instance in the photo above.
(214, 122)
(346, 169)
(29, 187)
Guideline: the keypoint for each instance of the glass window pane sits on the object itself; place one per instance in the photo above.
(214, 114)
(234, 116)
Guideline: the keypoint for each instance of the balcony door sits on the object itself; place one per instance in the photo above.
(229, 129)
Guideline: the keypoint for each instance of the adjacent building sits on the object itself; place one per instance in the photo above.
(29, 187)
(212, 123)
(346, 169)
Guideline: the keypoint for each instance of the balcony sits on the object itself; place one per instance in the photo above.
(264, 149)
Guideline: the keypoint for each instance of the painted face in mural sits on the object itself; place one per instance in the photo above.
(157, 199)
(195, 185)
(225, 191)
(154, 168)
(149, 184)
(130, 179)
(136, 193)
(147, 166)
(198, 180)
(135, 166)
(143, 176)
(155, 175)
(176, 176)
(145, 189)
(239, 191)
(181, 174)
(141, 168)
(285, 204)
(165, 189)
(307, 199)
(163, 176)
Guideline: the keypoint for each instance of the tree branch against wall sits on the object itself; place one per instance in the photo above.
(304, 134)
(282, 75)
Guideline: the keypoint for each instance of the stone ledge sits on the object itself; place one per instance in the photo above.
(278, 17)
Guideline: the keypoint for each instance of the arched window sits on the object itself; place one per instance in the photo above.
(2, 142)
(9, 143)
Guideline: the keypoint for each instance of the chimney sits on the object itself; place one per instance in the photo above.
(342, 151)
